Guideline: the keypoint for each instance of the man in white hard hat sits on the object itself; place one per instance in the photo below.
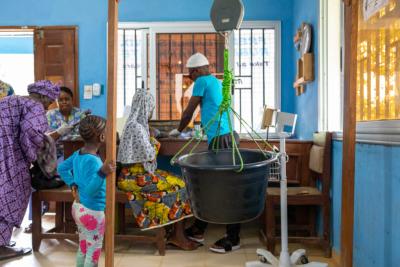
(207, 92)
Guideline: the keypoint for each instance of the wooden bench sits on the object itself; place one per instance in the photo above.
(64, 230)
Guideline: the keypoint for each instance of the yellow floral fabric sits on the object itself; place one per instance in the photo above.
(156, 199)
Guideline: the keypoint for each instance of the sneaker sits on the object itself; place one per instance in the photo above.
(225, 245)
(194, 234)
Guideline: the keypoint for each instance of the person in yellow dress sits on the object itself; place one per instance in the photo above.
(157, 197)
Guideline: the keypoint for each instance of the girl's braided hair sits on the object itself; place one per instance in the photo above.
(91, 126)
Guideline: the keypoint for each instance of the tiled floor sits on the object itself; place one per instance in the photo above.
(62, 253)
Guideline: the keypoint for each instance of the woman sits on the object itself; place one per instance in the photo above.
(23, 125)
(158, 198)
(66, 115)
(61, 121)
(5, 89)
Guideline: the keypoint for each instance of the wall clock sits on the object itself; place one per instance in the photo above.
(305, 42)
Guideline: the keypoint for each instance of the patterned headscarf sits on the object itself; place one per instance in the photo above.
(135, 146)
(5, 89)
(46, 88)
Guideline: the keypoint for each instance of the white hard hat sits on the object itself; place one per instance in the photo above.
(197, 60)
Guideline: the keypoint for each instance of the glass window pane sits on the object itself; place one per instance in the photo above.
(378, 65)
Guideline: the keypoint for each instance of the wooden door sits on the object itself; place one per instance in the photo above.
(56, 57)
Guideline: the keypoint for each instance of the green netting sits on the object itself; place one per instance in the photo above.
(226, 107)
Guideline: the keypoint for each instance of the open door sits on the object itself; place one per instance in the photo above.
(56, 56)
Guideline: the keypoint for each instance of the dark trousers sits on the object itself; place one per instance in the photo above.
(232, 230)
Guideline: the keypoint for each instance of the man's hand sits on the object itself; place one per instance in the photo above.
(174, 133)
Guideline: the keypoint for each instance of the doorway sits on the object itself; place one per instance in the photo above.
(28, 54)
(17, 59)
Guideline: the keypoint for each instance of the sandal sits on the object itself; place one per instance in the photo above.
(28, 229)
(10, 252)
(225, 245)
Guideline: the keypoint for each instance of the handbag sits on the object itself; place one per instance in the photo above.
(39, 181)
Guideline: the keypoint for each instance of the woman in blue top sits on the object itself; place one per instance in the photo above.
(207, 92)
(64, 118)
(85, 173)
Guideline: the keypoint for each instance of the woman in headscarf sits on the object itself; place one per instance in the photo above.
(23, 125)
(158, 198)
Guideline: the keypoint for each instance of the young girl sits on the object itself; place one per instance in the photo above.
(85, 173)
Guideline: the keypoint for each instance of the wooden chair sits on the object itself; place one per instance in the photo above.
(64, 230)
(310, 195)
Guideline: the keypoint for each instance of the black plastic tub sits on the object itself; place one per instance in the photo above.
(218, 192)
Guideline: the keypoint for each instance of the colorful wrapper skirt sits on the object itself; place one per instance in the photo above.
(156, 199)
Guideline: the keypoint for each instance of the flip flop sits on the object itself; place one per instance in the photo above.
(10, 252)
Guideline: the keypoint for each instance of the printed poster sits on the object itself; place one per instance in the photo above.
(371, 7)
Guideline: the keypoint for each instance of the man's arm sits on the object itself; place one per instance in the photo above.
(188, 113)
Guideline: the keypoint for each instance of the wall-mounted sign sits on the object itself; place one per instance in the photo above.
(371, 7)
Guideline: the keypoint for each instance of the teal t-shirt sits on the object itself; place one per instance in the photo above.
(209, 89)
(84, 171)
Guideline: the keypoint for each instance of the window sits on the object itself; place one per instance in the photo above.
(159, 52)
(174, 88)
(255, 74)
(378, 65)
(130, 45)
(378, 74)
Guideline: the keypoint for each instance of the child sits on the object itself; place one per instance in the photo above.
(85, 173)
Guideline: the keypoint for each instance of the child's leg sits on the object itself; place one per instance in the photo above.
(94, 250)
(91, 225)
(77, 212)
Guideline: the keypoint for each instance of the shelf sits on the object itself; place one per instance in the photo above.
(305, 72)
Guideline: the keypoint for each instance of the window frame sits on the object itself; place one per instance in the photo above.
(382, 132)
(205, 27)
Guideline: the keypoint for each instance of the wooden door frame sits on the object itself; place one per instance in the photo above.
(111, 133)
(351, 9)
(31, 28)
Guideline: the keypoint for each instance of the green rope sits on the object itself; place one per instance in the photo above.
(243, 122)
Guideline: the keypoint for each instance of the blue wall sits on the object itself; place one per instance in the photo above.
(377, 204)
(91, 17)
(16, 45)
(306, 105)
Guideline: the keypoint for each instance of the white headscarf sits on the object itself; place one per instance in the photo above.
(135, 145)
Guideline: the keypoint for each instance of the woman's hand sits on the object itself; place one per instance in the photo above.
(108, 167)
(64, 129)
